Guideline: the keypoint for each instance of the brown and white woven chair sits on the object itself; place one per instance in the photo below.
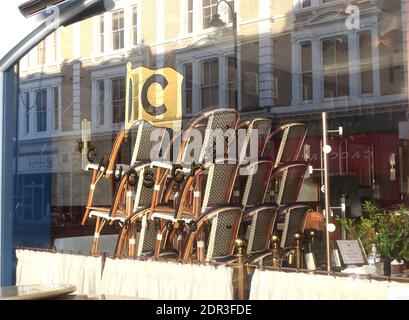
(295, 217)
(284, 145)
(138, 238)
(202, 126)
(263, 127)
(294, 222)
(166, 189)
(145, 148)
(259, 217)
(291, 216)
(103, 171)
(259, 126)
(142, 148)
(188, 223)
(287, 180)
(290, 139)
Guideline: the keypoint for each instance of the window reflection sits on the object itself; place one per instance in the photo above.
(292, 69)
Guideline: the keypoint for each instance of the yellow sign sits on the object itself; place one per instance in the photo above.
(154, 96)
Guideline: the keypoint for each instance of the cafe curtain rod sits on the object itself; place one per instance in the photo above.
(105, 255)
(51, 250)
(329, 273)
(160, 259)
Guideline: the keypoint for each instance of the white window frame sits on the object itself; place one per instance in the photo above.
(98, 34)
(23, 111)
(31, 86)
(106, 74)
(97, 118)
(195, 57)
(49, 55)
(53, 109)
(350, 68)
(44, 41)
(111, 91)
(201, 88)
(138, 26)
(316, 34)
(299, 49)
(314, 4)
(111, 33)
(30, 61)
(198, 28)
(362, 31)
(126, 6)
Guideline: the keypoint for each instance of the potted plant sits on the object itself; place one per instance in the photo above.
(362, 228)
(389, 231)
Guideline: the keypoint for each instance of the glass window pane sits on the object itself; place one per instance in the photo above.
(118, 30)
(210, 83)
(307, 86)
(306, 57)
(341, 46)
(328, 52)
(118, 100)
(295, 60)
(55, 102)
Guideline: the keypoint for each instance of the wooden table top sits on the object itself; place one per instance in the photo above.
(35, 292)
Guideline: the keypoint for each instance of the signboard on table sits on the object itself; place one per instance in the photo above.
(348, 252)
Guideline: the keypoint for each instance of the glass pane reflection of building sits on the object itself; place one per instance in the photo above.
(296, 59)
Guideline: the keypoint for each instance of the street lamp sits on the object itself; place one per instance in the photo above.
(217, 22)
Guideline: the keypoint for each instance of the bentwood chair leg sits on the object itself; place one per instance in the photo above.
(96, 237)
(120, 241)
(132, 240)
(189, 246)
(85, 217)
(90, 197)
(180, 244)
(200, 245)
(159, 242)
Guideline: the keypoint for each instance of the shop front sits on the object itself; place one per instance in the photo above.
(247, 143)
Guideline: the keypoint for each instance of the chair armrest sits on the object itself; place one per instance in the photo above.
(254, 210)
(169, 166)
(208, 214)
(95, 166)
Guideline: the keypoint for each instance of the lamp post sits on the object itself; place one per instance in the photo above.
(217, 22)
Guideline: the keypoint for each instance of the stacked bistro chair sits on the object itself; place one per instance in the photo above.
(167, 191)
(214, 225)
(259, 217)
(260, 126)
(291, 138)
(145, 148)
(291, 216)
(263, 127)
(103, 171)
(284, 145)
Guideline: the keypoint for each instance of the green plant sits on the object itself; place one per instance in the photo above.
(362, 228)
(388, 230)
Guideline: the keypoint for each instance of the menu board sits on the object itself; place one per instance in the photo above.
(351, 252)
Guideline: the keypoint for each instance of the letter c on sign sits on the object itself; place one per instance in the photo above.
(153, 111)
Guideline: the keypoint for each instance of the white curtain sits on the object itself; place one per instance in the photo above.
(36, 267)
(274, 285)
(165, 280)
